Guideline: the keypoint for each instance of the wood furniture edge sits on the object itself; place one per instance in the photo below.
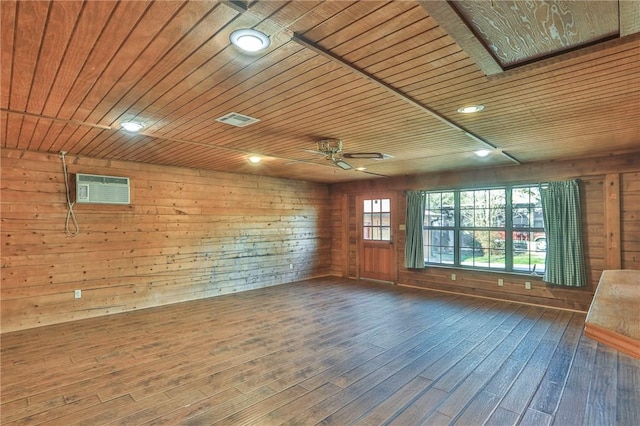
(615, 340)
(607, 336)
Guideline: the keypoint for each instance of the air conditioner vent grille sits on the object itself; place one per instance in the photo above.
(238, 120)
(100, 189)
(103, 179)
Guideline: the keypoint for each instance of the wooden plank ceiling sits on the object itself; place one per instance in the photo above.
(383, 76)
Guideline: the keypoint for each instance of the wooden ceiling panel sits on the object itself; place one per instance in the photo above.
(187, 32)
(133, 57)
(351, 39)
(377, 59)
(8, 14)
(120, 24)
(27, 41)
(518, 32)
(415, 29)
(206, 90)
(62, 16)
(50, 132)
(316, 16)
(384, 76)
(79, 46)
(550, 90)
(11, 129)
(618, 142)
(440, 163)
(184, 79)
(366, 29)
(285, 13)
(27, 127)
(246, 91)
(354, 12)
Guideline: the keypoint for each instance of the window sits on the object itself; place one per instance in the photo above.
(376, 219)
(496, 228)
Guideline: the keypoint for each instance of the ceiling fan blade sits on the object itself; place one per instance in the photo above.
(372, 155)
(311, 151)
(372, 173)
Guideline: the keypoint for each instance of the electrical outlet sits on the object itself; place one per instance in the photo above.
(77, 294)
(453, 277)
(527, 285)
(500, 282)
(291, 266)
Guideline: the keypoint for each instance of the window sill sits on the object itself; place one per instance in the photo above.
(481, 270)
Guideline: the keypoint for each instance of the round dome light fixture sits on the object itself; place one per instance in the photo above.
(249, 40)
(131, 126)
(470, 109)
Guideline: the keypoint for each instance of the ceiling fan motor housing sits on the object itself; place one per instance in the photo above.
(330, 146)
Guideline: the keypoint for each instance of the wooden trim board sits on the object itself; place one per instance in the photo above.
(614, 317)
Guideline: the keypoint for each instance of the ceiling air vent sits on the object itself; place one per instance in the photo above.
(237, 120)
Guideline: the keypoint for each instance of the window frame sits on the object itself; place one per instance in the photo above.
(508, 230)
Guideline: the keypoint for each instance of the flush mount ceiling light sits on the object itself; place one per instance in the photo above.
(249, 40)
(483, 153)
(470, 109)
(254, 159)
(131, 126)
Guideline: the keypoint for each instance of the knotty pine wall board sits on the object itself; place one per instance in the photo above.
(630, 220)
(188, 234)
(339, 232)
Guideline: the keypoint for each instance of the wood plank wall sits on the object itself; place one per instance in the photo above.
(603, 216)
(630, 220)
(188, 234)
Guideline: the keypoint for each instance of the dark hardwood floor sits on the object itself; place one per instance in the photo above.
(324, 351)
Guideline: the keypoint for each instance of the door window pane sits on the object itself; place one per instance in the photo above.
(376, 219)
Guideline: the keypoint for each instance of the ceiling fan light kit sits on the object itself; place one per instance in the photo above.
(343, 164)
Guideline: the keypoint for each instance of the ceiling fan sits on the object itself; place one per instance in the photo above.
(332, 150)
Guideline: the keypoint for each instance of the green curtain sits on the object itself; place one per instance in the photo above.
(564, 264)
(414, 222)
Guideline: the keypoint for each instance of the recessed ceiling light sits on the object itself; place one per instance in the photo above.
(470, 109)
(254, 159)
(131, 126)
(249, 40)
(483, 153)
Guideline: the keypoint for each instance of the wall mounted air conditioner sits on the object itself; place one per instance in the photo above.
(101, 189)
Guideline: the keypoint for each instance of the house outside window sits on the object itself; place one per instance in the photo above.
(499, 228)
